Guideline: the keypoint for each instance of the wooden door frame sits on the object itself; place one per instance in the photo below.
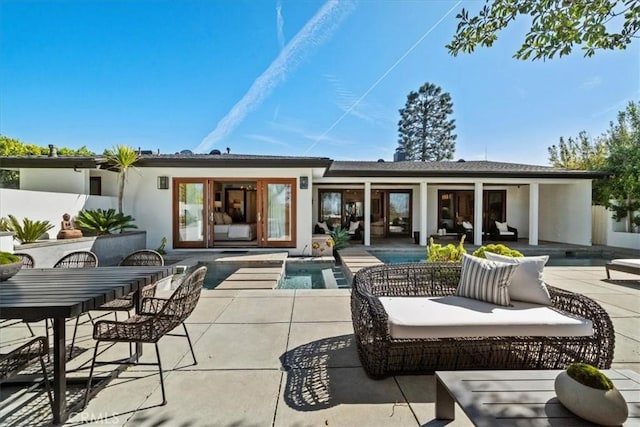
(262, 212)
(176, 181)
(387, 196)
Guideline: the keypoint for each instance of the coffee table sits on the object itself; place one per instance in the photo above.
(494, 398)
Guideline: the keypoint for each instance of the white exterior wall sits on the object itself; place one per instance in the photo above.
(565, 213)
(41, 205)
(55, 180)
(152, 208)
(605, 230)
(518, 209)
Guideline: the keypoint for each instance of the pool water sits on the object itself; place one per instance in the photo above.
(298, 275)
(397, 257)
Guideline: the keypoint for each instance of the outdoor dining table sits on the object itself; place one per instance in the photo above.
(59, 294)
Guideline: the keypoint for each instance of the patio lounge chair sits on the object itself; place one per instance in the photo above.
(625, 265)
(157, 318)
(383, 352)
(27, 260)
(502, 231)
(19, 358)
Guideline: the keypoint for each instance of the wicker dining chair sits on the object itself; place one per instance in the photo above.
(157, 318)
(27, 260)
(77, 259)
(19, 358)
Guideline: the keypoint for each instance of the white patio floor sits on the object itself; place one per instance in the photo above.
(288, 358)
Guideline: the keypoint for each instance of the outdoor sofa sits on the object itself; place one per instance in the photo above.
(384, 350)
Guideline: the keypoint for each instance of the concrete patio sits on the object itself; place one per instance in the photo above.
(286, 358)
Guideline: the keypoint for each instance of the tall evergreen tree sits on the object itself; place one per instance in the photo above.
(425, 131)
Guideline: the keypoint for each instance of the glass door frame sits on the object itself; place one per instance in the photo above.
(387, 196)
(263, 217)
(207, 200)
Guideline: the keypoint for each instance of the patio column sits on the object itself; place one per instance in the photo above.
(423, 214)
(367, 213)
(534, 204)
(477, 214)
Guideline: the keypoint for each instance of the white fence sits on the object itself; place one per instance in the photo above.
(604, 231)
(49, 206)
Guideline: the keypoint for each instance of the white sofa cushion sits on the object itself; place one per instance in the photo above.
(485, 280)
(630, 262)
(526, 284)
(454, 316)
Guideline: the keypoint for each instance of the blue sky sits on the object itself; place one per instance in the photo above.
(308, 78)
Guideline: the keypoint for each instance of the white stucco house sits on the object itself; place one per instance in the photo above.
(232, 200)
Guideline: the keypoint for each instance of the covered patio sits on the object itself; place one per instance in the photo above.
(286, 357)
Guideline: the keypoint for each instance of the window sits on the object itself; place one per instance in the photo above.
(95, 185)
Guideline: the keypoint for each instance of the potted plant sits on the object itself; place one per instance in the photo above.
(589, 394)
(27, 232)
(9, 265)
(499, 249)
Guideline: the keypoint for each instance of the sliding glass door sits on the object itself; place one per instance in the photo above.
(399, 215)
(277, 213)
(189, 213)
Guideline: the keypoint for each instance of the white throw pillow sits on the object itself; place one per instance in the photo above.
(485, 280)
(502, 226)
(324, 226)
(527, 284)
(467, 225)
(353, 226)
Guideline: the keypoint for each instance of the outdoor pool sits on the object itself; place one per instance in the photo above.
(397, 257)
(298, 274)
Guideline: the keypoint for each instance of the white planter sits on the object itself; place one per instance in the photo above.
(604, 407)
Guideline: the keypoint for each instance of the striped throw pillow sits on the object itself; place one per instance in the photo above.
(485, 280)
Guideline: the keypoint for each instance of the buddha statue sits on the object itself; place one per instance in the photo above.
(67, 231)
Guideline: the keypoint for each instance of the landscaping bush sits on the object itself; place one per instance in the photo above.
(340, 237)
(450, 253)
(499, 249)
(27, 232)
(100, 222)
(8, 258)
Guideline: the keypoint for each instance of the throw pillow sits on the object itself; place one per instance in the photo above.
(485, 280)
(353, 226)
(227, 218)
(218, 218)
(527, 284)
(324, 226)
(502, 226)
(467, 225)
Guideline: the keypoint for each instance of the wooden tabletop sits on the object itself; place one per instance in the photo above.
(521, 397)
(58, 292)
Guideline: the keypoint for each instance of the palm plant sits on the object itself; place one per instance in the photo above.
(27, 232)
(340, 237)
(122, 157)
(100, 222)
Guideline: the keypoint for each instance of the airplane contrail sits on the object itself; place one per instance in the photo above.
(381, 78)
(314, 32)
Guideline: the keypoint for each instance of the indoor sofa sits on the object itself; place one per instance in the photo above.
(432, 329)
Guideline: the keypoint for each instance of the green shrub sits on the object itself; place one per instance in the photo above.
(27, 232)
(161, 249)
(7, 258)
(340, 237)
(99, 221)
(450, 253)
(589, 376)
(499, 249)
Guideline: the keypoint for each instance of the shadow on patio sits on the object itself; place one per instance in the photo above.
(321, 374)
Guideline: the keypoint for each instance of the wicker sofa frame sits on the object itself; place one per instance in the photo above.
(381, 355)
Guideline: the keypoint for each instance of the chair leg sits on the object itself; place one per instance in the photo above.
(73, 340)
(93, 364)
(46, 382)
(30, 330)
(164, 398)
(195, 362)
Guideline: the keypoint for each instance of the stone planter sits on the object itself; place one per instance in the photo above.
(604, 407)
(8, 270)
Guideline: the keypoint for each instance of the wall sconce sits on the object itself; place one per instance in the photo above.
(304, 182)
(163, 183)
